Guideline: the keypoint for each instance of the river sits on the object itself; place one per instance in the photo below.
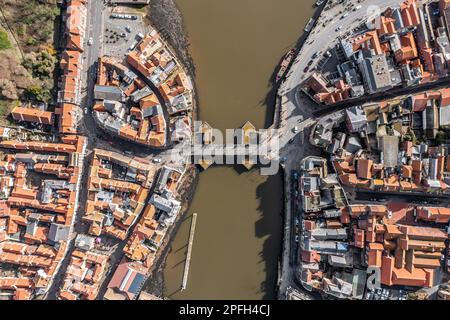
(235, 45)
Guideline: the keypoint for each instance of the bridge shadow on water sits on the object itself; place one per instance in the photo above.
(270, 224)
(270, 196)
(270, 193)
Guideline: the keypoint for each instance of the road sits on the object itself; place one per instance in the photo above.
(91, 54)
(410, 197)
(86, 127)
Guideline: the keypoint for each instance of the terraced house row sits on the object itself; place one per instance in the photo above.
(69, 94)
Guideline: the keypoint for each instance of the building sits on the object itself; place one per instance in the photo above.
(375, 71)
(126, 283)
(355, 119)
(32, 115)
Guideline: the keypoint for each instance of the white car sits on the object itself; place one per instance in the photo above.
(339, 28)
(90, 41)
(156, 160)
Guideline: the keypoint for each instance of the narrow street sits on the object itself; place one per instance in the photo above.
(87, 128)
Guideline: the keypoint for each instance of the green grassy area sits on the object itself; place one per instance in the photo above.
(4, 40)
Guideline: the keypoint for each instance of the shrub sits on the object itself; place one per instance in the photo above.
(38, 94)
(4, 40)
(41, 65)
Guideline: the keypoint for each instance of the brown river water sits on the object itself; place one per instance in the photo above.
(236, 46)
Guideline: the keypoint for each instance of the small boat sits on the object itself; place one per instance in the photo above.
(309, 25)
(319, 3)
(285, 64)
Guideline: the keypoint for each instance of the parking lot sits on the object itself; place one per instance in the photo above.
(119, 35)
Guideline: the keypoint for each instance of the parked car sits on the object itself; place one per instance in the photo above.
(156, 160)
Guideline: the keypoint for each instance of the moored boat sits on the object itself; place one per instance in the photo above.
(309, 25)
(285, 64)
